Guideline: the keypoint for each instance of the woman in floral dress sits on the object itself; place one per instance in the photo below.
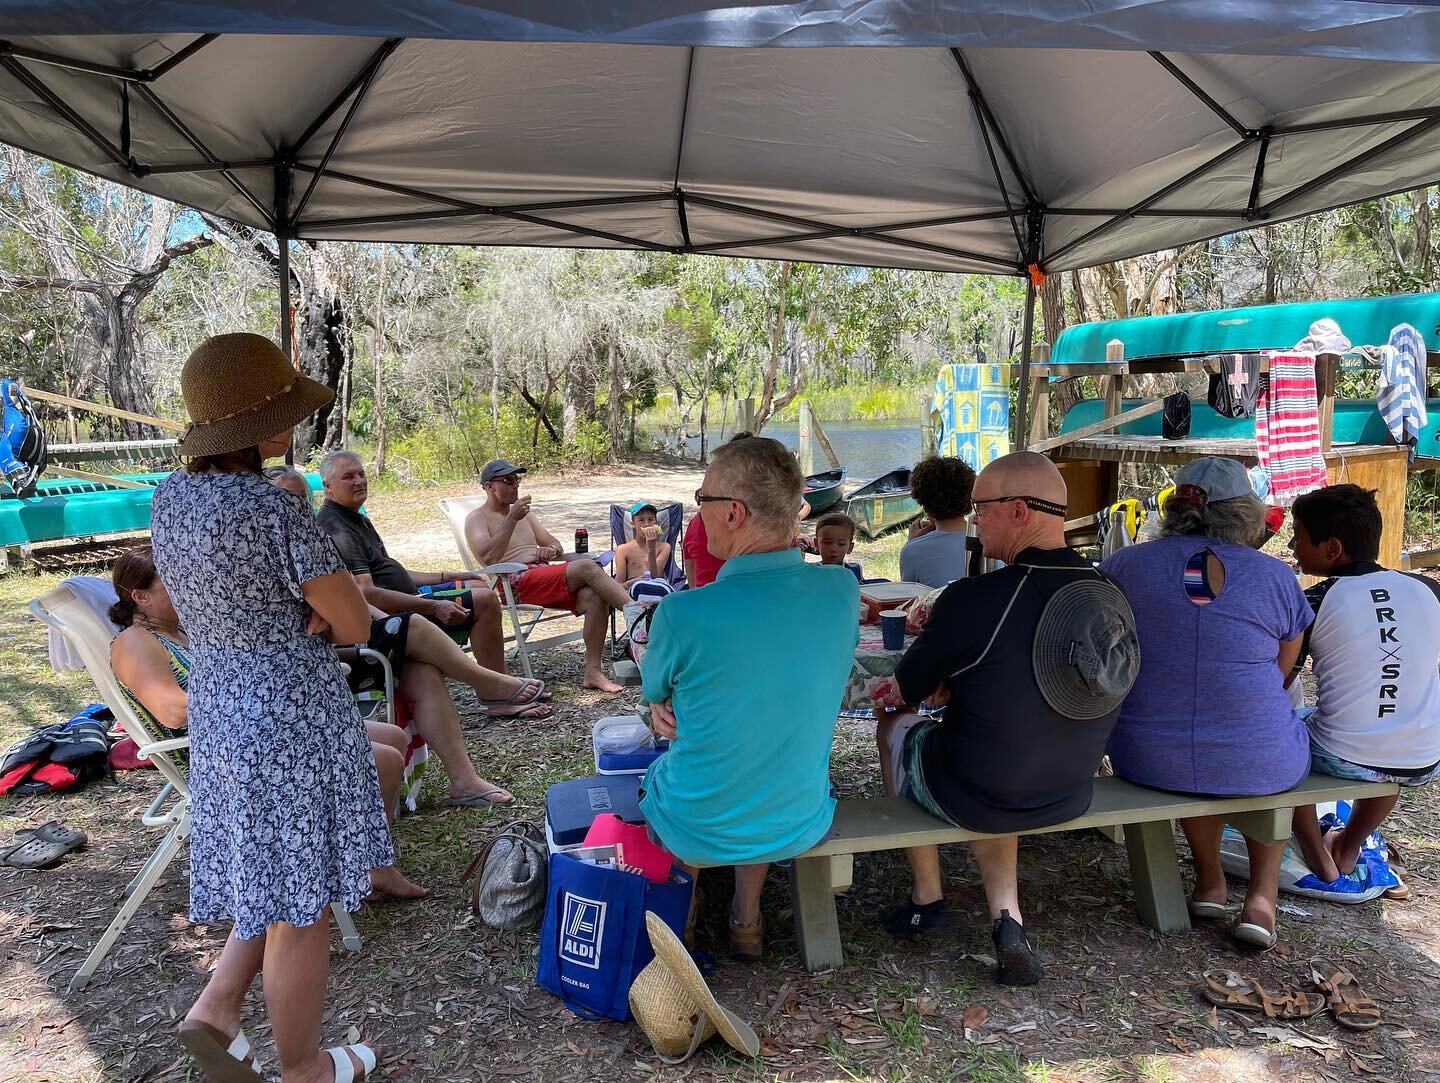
(286, 812)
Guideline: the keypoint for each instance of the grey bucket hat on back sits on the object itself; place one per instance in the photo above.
(1086, 654)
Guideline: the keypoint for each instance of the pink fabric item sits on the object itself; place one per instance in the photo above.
(637, 851)
(1287, 428)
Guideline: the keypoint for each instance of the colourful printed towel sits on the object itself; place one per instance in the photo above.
(971, 411)
(1287, 429)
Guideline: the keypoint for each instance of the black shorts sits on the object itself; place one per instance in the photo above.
(387, 636)
(461, 596)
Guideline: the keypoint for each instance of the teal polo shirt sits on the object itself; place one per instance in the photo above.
(755, 666)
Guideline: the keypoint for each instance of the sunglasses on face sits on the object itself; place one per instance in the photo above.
(1034, 503)
(706, 498)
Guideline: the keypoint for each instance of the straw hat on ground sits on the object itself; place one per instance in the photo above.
(239, 391)
(675, 1007)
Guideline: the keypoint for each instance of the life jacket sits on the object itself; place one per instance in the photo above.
(22, 441)
(63, 756)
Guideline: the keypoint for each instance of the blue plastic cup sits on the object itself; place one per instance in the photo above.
(892, 629)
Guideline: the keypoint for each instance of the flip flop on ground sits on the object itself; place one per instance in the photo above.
(525, 703)
(495, 795)
(1347, 1002)
(40, 847)
(1227, 989)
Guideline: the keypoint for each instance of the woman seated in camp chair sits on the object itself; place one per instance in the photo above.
(151, 660)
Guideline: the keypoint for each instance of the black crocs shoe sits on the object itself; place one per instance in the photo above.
(1015, 961)
(911, 919)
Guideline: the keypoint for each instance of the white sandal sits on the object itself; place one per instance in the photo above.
(344, 1070)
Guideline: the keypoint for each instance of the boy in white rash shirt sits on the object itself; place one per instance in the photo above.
(1373, 649)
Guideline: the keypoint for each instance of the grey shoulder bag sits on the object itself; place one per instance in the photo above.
(509, 888)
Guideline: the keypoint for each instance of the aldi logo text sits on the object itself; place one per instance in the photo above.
(581, 929)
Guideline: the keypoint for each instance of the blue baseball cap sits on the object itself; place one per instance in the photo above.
(642, 505)
(499, 468)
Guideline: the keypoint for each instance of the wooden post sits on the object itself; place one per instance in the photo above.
(929, 438)
(1327, 367)
(807, 442)
(745, 415)
(824, 442)
(1114, 385)
(1039, 400)
(1155, 876)
(817, 925)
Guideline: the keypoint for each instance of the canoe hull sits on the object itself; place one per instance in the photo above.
(883, 504)
(823, 491)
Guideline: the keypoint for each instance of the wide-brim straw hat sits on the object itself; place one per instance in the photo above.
(239, 391)
(674, 1006)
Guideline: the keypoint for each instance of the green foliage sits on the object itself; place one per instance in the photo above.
(455, 444)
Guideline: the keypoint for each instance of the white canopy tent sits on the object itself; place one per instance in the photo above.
(987, 137)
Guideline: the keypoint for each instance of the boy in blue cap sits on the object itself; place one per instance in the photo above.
(646, 555)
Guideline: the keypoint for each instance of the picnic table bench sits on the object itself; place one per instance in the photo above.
(1146, 817)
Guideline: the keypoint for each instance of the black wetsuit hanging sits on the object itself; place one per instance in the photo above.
(1234, 389)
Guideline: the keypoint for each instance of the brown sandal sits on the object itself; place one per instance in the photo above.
(1227, 989)
(1349, 1004)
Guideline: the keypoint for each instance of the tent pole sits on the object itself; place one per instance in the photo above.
(1027, 333)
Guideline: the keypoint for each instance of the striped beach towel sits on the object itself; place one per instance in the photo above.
(1402, 386)
(1287, 428)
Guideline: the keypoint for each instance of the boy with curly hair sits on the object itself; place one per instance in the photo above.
(936, 553)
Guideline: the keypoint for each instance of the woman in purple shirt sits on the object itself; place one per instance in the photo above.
(1220, 627)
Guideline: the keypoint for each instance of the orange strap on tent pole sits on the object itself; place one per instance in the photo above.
(1037, 276)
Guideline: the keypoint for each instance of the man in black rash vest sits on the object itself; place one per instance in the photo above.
(1002, 759)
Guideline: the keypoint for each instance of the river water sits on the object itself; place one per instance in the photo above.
(867, 448)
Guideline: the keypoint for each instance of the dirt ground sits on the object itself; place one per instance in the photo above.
(446, 998)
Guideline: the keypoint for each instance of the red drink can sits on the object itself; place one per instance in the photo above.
(582, 540)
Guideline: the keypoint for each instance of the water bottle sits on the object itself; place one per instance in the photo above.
(582, 540)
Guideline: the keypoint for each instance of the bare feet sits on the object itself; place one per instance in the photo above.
(322, 1068)
(391, 883)
(1259, 911)
(1334, 843)
(597, 680)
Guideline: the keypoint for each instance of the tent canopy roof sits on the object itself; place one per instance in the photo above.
(1005, 134)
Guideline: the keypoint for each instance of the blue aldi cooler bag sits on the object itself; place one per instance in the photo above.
(593, 941)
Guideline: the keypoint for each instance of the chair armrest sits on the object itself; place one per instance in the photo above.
(170, 744)
(504, 569)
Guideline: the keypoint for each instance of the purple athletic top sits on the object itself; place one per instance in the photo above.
(1209, 713)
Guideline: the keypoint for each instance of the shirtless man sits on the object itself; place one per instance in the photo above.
(502, 531)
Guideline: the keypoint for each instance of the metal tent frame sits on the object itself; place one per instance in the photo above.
(297, 169)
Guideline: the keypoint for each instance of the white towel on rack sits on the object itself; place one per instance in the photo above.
(1401, 401)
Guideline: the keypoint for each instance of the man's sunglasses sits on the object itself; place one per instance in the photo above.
(1034, 503)
(508, 479)
(706, 498)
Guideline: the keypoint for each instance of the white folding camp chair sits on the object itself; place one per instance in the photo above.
(523, 618)
(83, 629)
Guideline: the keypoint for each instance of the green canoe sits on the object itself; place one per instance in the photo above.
(883, 503)
(1364, 320)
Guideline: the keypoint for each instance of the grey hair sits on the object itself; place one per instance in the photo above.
(1239, 520)
(275, 473)
(764, 474)
(327, 464)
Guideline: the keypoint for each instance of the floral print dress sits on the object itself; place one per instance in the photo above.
(285, 804)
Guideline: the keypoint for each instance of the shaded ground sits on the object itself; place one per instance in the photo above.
(445, 998)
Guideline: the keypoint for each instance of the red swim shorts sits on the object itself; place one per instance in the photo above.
(543, 585)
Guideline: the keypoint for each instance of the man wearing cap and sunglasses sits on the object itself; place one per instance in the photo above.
(503, 531)
(1032, 663)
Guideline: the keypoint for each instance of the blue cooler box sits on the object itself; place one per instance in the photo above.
(571, 807)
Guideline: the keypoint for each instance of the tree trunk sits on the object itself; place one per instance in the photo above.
(616, 406)
(378, 349)
(768, 405)
(705, 407)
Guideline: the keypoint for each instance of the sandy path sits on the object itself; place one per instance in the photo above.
(416, 534)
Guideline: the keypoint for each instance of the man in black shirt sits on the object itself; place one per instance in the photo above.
(1002, 758)
(387, 584)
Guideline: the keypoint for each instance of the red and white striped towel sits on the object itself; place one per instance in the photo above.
(1287, 429)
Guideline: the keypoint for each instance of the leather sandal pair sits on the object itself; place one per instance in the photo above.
(1335, 988)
